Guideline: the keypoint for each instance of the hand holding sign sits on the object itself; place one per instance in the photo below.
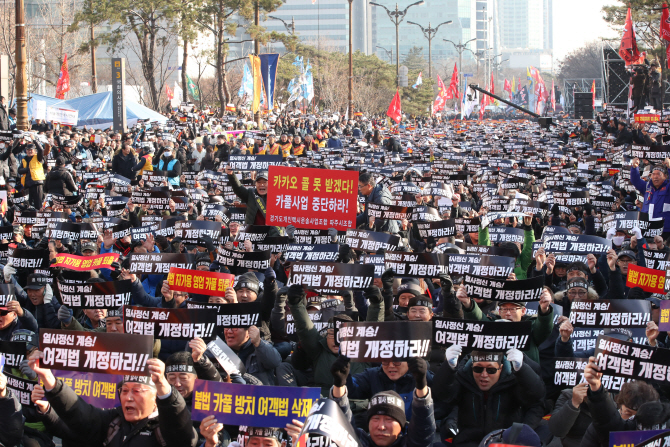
(210, 428)
(198, 348)
(44, 374)
(592, 374)
(652, 332)
(37, 397)
(156, 368)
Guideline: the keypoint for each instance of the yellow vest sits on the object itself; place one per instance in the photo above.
(286, 149)
(299, 150)
(274, 149)
(147, 164)
(36, 170)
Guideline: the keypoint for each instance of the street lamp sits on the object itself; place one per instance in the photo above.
(460, 48)
(290, 28)
(396, 17)
(351, 62)
(429, 33)
(478, 55)
(388, 53)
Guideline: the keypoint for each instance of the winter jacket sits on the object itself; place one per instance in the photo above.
(11, 422)
(260, 361)
(59, 181)
(382, 196)
(567, 422)
(606, 416)
(248, 196)
(420, 431)
(366, 384)
(315, 346)
(516, 397)
(123, 165)
(526, 257)
(4, 118)
(658, 197)
(173, 421)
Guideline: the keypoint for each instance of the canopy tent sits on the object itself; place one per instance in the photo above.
(95, 111)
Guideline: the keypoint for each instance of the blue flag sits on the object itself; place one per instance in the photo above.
(269, 64)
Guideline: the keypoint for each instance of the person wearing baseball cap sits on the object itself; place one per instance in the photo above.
(255, 198)
(387, 414)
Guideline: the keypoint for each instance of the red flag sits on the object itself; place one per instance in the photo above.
(452, 91)
(553, 96)
(665, 23)
(442, 96)
(63, 84)
(395, 110)
(593, 93)
(492, 87)
(169, 92)
(628, 49)
(507, 87)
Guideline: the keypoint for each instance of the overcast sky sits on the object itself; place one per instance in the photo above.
(577, 22)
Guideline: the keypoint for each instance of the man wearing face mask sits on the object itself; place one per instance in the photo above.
(656, 196)
(169, 163)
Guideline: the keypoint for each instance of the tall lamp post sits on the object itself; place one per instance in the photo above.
(460, 48)
(478, 55)
(389, 54)
(429, 33)
(289, 27)
(351, 62)
(22, 122)
(396, 17)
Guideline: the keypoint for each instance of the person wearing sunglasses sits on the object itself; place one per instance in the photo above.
(13, 317)
(491, 390)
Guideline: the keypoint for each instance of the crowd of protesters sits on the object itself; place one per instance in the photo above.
(467, 398)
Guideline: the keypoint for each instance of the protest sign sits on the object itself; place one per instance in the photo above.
(84, 263)
(647, 279)
(388, 211)
(629, 360)
(631, 438)
(191, 231)
(442, 228)
(569, 372)
(378, 262)
(498, 267)
(157, 200)
(311, 237)
(254, 162)
(379, 342)
(331, 275)
(419, 265)
(371, 240)
(14, 352)
(73, 231)
(481, 335)
(7, 293)
(98, 352)
(22, 388)
(273, 244)
(28, 258)
(251, 405)
(232, 315)
(96, 295)
(311, 252)
(228, 360)
(159, 263)
(327, 422)
(576, 243)
(506, 234)
(198, 281)
(610, 313)
(170, 324)
(312, 198)
(501, 290)
(96, 389)
(255, 260)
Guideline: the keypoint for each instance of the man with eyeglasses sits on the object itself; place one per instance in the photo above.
(149, 403)
(491, 391)
(542, 326)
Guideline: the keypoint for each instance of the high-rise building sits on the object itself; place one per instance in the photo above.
(525, 24)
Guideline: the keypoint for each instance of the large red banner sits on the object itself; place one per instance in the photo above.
(84, 263)
(312, 198)
(199, 281)
(647, 279)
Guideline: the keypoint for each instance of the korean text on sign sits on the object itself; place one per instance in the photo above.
(312, 198)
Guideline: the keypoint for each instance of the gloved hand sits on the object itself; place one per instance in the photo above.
(64, 315)
(344, 254)
(637, 233)
(610, 233)
(418, 368)
(453, 352)
(296, 294)
(387, 279)
(290, 231)
(446, 281)
(26, 371)
(430, 243)
(206, 241)
(515, 357)
(373, 294)
(340, 370)
(48, 294)
(269, 273)
(8, 271)
(332, 234)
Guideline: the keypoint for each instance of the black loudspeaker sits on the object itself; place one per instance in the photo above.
(583, 103)
(617, 79)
